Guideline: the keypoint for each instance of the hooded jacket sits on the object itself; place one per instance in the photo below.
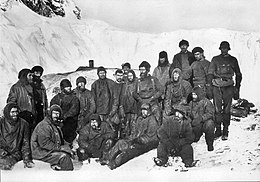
(14, 136)
(128, 101)
(176, 92)
(46, 138)
(202, 109)
(22, 93)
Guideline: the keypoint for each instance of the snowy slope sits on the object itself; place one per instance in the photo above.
(63, 44)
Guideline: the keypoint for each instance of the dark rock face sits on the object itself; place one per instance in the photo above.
(49, 8)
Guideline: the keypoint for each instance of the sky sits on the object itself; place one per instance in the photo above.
(157, 16)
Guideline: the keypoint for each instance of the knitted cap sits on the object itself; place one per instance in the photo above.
(81, 79)
(183, 42)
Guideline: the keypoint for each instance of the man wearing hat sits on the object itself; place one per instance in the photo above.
(220, 81)
(95, 139)
(183, 60)
(70, 106)
(40, 95)
(175, 138)
(125, 67)
(105, 98)
(149, 90)
(142, 139)
(199, 68)
(87, 102)
(22, 94)
(14, 139)
(48, 144)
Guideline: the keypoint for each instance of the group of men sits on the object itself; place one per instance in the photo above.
(118, 120)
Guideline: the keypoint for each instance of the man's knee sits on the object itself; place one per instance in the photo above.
(209, 126)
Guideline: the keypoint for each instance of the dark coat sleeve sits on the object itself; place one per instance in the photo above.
(74, 109)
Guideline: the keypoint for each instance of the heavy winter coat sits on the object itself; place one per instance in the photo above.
(145, 129)
(183, 61)
(14, 136)
(87, 105)
(222, 69)
(45, 139)
(70, 106)
(202, 109)
(21, 93)
(104, 95)
(175, 132)
(162, 74)
(93, 140)
(148, 89)
(128, 101)
(200, 72)
(176, 92)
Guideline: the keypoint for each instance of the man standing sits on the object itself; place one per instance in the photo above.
(39, 93)
(149, 90)
(183, 60)
(87, 102)
(21, 93)
(70, 106)
(199, 68)
(201, 111)
(175, 138)
(103, 92)
(95, 138)
(142, 139)
(47, 141)
(177, 91)
(221, 71)
(14, 139)
(125, 67)
(128, 105)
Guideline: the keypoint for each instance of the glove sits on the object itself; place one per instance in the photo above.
(28, 164)
(236, 93)
(209, 91)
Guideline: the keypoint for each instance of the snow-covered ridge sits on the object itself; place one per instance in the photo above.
(62, 44)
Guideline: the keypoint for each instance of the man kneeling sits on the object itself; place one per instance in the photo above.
(175, 138)
(142, 139)
(47, 141)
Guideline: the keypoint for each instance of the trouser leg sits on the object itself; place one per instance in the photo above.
(208, 129)
(186, 154)
(197, 132)
(60, 159)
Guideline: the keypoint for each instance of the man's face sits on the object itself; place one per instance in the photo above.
(81, 85)
(119, 77)
(224, 51)
(143, 72)
(176, 76)
(162, 60)
(67, 89)
(94, 124)
(144, 113)
(14, 113)
(194, 96)
(30, 77)
(37, 73)
(125, 69)
(184, 48)
(198, 56)
(178, 114)
(102, 75)
(130, 77)
(55, 115)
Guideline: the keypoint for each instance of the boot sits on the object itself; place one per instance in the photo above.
(210, 148)
(225, 133)
(217, 133)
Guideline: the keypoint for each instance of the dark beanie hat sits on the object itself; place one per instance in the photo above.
(163, 54)
(65, 83)
(101, 68)
(81, 79)
(146, 65)
(224, 44)
(183, 42)
(197, 49)
(127, 65)
(23, 73)
(119, 71)
(37, 68)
